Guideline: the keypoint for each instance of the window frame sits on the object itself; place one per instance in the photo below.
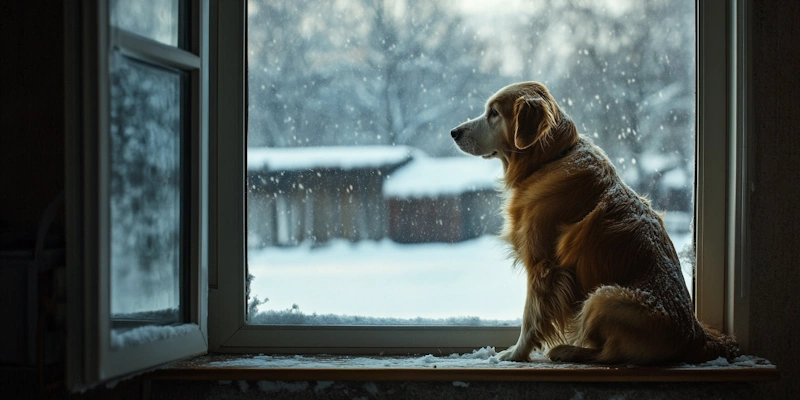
(89, 41)
(724, 159)
(723, 156)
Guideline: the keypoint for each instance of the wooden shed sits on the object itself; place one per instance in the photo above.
(444, 199)
(319, 193)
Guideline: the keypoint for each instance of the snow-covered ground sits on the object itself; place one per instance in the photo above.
(385, 279)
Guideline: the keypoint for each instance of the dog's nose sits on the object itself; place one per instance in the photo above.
(456, 133)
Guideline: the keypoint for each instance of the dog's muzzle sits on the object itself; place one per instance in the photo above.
(456, 133)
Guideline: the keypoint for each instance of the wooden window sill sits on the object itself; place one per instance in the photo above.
(390, 368)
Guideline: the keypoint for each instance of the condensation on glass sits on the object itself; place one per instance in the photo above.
(154, 19)
(361, 210)
(147, 198)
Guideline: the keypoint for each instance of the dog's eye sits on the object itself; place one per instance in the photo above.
(492, 113)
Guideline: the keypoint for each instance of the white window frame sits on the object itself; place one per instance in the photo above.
(89, 40)
(723, 156)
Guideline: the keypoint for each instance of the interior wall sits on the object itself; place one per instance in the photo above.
(774, 210)
(32, 116)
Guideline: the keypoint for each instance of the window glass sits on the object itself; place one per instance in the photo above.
(147, 193)
(360, 208)
(154, 19)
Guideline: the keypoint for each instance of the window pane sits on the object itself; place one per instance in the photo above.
(159, 20)
(146, 193)
(358, 202)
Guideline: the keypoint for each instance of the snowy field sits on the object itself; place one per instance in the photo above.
(385, 279)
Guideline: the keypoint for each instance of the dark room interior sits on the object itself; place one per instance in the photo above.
(33, 164)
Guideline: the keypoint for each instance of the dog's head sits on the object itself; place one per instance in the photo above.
(522, 118)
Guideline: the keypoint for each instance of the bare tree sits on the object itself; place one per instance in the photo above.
(282, 76)
(421, 57)
(359, 72)
(627, 77)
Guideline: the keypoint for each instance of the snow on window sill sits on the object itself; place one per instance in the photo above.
(148, 333)
(480, 365)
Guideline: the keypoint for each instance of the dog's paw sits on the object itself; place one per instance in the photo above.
(511, 354)
(568, 353)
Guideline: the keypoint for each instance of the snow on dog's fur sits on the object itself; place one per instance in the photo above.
(604, 281)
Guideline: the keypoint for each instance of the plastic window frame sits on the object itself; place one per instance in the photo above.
(89, 40)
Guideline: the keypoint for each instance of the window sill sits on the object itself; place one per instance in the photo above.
(225, 367)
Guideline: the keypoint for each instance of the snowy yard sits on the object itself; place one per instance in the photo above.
(385, 279)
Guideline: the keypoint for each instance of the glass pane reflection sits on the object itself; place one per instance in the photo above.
(146, 192)
(155, 19)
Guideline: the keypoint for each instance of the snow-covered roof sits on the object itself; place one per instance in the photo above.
(338, 157)
(434, 177)
(675, 179)
(657, 162)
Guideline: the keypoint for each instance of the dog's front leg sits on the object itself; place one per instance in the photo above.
(548, 310)
(528, 339)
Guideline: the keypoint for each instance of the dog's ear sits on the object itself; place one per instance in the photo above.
(533, 119)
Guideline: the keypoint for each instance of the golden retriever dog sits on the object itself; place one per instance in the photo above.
(604, 282)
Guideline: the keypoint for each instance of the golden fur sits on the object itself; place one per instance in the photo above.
(604, 281)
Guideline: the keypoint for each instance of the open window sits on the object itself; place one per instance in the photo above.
(276, 112)
(138, 186)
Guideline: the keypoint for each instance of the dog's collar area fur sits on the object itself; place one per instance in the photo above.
(565, 123)
(565, 152)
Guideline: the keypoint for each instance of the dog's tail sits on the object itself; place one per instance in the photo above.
(716, 344)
